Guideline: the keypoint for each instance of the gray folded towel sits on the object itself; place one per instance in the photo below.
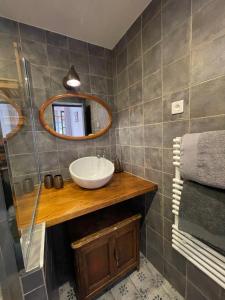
(203, 158)
(202, 213)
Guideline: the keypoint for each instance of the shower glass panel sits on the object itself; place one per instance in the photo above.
(19, 140)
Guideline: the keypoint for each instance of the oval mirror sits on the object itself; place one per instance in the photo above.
(11, 117)
(74, 116)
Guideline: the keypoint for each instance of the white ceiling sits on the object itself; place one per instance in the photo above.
(100, 22)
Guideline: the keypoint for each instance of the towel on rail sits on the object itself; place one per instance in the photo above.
(203, 158)
(202, 213)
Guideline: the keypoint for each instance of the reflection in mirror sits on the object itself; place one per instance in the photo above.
(10, 117)
(75, 116)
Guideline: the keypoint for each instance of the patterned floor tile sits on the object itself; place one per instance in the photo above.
(125, 290)
(107, 296)
(66, 292)
(145, 284)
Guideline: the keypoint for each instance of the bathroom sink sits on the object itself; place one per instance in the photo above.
(91, 172)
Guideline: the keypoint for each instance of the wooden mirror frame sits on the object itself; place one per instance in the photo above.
(21, 118)
(49, 101)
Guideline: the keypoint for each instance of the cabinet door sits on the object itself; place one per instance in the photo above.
(126, 251)
(96, 267)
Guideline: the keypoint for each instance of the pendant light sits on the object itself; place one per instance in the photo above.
(72, 79)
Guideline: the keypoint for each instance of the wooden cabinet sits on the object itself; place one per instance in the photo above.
(105, 250)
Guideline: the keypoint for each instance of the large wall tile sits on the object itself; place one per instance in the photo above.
(21, 143)
(81, 64)
(167, 185)
(121, 61)
(176, 76)
(205, 284)
(8, 26)
(58, 57)
(37, 294)
(134, 29)
(207, 99)
(138, 171)
(134, 49)
(135, 72)
(172, 130)
(167, 211)
(40, 77)
(123, 136)
(154, 176)
(97, 65)
(152, 86)
(48, 161)
(153, 158)
(153, 111)
(124, 118)
(175, 277)
(155, 257)
(35, 52)
(168, 166)
(66, 158)
(22, 165)
(56, 39)
(198, 4)
(171, 21)
(96, 50)
(99, 85)
(123, 100)
(151, 33)
(208, 23)
(136, 115)
(135, 94)
(122, 80)
(56, 80)
(45, 141)
(124, 153)
(153, 135)
(174, 257)
(212, 57)
(151, 10)
(207, 124)
(78, 46)
(32, 33)
(154, 221)
(193, 292)
(155, 240)
(137, 136)
(137, 156)
(177, 43)
(152, 60)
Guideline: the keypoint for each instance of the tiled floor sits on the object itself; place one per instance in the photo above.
(146, 284)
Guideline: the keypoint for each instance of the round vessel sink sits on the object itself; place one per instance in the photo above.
(91, 172)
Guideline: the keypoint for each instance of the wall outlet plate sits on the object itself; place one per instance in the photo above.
(177, 107)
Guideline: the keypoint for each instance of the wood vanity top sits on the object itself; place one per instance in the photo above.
(57, 206)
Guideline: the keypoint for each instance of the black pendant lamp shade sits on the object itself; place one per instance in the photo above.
(72, 79)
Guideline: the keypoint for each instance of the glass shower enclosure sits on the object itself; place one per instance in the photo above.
(20, 181)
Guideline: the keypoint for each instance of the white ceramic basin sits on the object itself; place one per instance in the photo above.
(91, 172)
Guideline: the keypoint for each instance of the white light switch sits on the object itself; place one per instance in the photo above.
(177, 107)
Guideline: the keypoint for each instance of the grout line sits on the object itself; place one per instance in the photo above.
(40, 286)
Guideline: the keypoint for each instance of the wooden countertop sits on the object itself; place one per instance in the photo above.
(56, 206)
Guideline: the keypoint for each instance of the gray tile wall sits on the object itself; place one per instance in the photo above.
(50, 56)
(173, 51)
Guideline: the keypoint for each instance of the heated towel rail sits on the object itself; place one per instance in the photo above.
(202, 256)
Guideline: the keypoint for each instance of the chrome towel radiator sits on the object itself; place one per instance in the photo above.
(202, 256)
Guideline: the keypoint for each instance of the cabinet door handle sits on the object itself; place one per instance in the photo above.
(116, 257)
